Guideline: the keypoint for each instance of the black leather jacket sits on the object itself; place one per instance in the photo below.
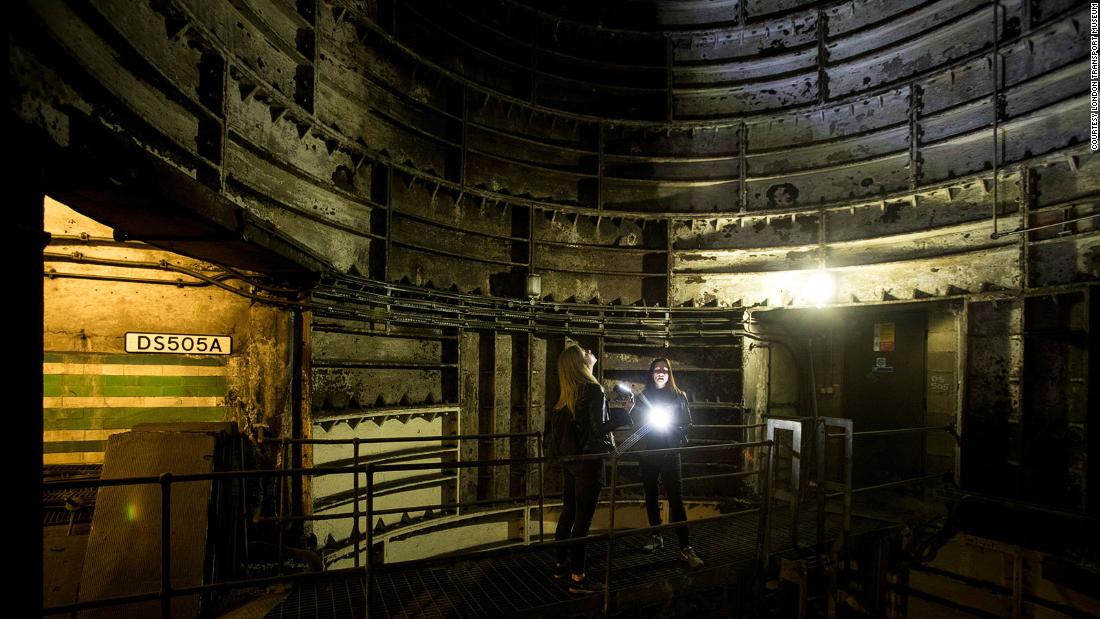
(593, 420)
(676, 435)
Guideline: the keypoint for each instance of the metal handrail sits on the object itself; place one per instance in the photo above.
(405, 439)
(373, 468)
(355, 442)
(166, 480)
(945, 428)
(723, 426)
(890, 484)
(822, 434)
(198, 589)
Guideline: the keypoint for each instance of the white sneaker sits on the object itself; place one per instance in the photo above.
(693, 560)
(655, 543)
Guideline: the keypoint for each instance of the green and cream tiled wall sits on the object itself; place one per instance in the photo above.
(92, 388)
(86, 397)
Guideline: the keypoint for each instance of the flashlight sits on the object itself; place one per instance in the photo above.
(623, 389)
(660, 417)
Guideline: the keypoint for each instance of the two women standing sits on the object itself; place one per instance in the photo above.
(582, 426)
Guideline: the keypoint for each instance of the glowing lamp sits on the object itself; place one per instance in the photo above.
(820, 287)
(816, 287)
(659, 418)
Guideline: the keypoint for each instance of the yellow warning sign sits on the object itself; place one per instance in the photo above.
(884, 337)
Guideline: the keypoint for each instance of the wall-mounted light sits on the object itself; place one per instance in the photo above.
(816, 287)
(820, 287)
(534, 286)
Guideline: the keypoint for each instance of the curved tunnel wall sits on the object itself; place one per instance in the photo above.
(650, 161)
(387, 140)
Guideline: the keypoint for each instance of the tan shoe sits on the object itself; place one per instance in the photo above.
(584, 585)
(653, 545)
(693, 560)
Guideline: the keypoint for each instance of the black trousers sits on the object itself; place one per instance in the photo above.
(667, 467)
(581, 483)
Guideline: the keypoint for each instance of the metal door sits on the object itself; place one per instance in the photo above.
(884, 366)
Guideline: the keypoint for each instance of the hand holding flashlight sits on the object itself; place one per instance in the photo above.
(628, 394)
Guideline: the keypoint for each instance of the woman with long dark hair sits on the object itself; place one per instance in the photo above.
(669, 425)
(581, 424)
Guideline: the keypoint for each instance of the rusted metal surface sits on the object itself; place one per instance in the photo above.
(688, 156)
(876, 126)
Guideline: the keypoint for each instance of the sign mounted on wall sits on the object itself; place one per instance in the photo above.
(884, 337)
(179, 343)
(940, 382)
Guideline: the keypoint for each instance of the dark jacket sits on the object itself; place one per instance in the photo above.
(676, 435)
(593, 420)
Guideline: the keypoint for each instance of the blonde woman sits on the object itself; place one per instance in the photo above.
(581, 424)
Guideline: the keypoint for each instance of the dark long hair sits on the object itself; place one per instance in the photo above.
(651, 386)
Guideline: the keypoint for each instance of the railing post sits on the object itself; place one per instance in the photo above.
(1017, 584)
(166, 545)
(355, 497)
(821, 430)
(765, 511)
(794, 495)
(610, 534)
(796, 482)
(527, 494)
(542, 492)
(282, 500)
(847, 518)
(368, 586)
(845, 485)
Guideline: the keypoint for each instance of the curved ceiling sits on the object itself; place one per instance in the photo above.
(643, 153)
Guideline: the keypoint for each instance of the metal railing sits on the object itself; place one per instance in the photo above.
(165, 481)
(356, 512)
(827, 489)
(375, 565)
(168, 592)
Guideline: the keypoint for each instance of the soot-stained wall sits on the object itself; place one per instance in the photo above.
(699, 161)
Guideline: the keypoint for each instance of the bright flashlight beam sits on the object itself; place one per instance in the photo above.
(660, 417)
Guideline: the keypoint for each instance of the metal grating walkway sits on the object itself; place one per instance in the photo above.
(517, 581)
(73, 504)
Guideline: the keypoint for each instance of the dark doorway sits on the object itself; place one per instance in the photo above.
(884, 367)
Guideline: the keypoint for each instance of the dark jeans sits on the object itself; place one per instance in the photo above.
(668, 469)
(581, 483)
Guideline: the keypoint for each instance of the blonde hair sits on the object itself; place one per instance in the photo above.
(573, 372)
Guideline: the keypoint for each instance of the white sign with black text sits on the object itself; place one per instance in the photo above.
(179, 343)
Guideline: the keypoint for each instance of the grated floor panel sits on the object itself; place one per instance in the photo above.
(54, 510)
(519, 582)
